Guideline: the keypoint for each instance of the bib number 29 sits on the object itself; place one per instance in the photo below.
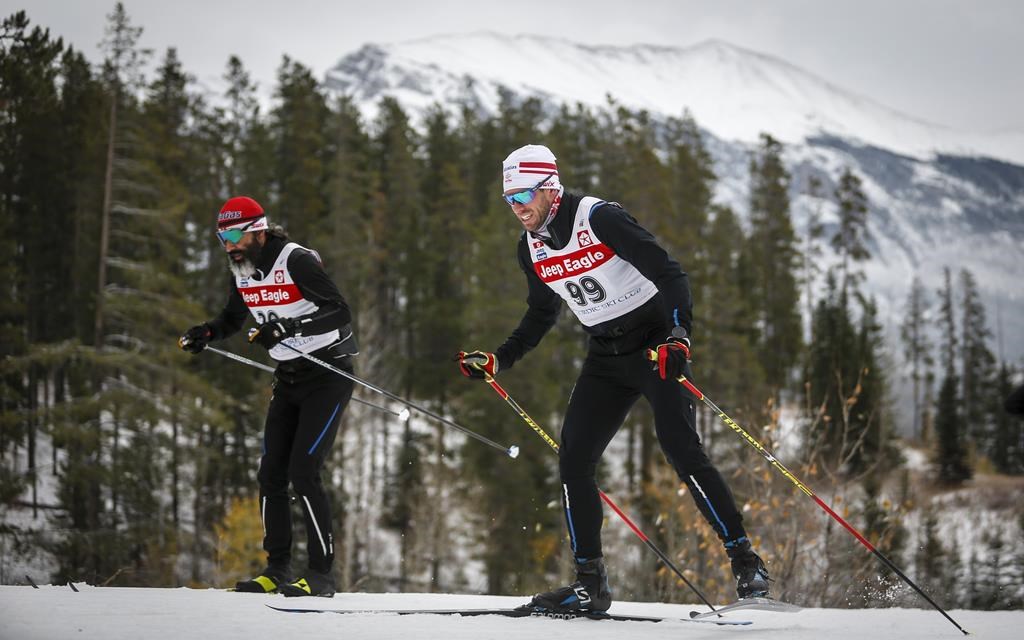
(587, 291)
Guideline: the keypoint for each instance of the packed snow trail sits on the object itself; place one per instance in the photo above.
(96, 613)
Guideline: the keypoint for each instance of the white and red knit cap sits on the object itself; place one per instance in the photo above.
(239, 212)
(526, 166)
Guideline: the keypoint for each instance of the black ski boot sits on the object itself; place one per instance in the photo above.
(751, 575)
(313, 583)
(270, 580)
(590, 592)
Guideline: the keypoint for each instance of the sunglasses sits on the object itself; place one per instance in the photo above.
(233, 235)
(526, 197)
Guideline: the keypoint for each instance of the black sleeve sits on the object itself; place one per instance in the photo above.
(232, 316)
(542, 309)
(634, 244)
(317, 287)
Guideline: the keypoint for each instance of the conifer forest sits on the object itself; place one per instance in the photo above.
(126, 461)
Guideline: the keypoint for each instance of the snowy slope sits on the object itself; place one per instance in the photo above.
(52, 613)
(733, 92)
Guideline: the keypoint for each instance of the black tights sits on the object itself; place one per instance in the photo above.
(607, 387)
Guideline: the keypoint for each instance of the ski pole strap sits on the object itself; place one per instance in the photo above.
(511, 451)
(402, 415)
(652, 355)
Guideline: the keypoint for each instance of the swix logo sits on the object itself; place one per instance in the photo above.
(278, 276)
(584, 238)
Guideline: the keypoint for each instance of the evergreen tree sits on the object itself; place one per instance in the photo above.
(952, 453)
(978, 364)
(771, 264)
(404, 492)
(726, 332)
(32, 307)
(834, 380)
(916, 346)
(298, 131)
(811, 252)
(1006, 448)
(849, 240)
(930, 559)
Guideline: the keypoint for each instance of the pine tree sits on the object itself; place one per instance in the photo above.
(930, 558)
(404, 494)
(916, 346)
(726, 330)
(811, 252)
(978, 364)
(29, 119)
(771, 264)
(952, 455)
(849, 240)
(298, 131)
(1006, 448)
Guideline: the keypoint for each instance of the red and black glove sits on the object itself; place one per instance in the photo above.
(477, 364)
(195, 339)
(673, 354)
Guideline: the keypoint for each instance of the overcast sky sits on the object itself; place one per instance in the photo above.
(957, 63)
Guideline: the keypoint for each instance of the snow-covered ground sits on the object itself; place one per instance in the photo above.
(57, 612)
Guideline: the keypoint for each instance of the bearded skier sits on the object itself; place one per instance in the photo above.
(296, 306)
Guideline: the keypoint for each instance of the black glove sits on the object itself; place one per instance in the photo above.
(268, 334)
(195, 339)
(477, 364)
(673, 354)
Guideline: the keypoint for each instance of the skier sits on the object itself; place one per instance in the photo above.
(630, 295)
(284, 286)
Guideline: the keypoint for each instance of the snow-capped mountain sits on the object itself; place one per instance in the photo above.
(733, 92)
(939, 197)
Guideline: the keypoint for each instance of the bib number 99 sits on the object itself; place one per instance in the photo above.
(587, 291)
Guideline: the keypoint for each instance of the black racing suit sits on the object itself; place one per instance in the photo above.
(616, 373)
(302, 420)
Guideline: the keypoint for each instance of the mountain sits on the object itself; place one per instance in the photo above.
(939, 197)
(733, 92)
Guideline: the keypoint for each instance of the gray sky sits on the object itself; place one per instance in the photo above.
(952, 62)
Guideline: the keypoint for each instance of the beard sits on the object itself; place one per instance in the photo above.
(245, 267)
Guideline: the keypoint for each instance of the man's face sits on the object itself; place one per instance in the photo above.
(533, 214)
(244, 254)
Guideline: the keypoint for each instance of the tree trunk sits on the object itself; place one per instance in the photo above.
(101, 281)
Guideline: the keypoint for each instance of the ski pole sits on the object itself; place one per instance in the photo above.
(604, 496)
(652, 355)
(511, 451)
(402, 415)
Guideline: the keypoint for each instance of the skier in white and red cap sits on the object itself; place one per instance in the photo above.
(631, 296)
(294, 302)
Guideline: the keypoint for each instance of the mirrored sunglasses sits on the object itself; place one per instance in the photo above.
(526, 197)
(233, 235)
